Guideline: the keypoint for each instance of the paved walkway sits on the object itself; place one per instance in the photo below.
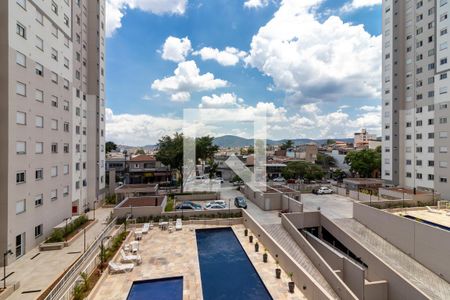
(36, 274)
(425, 280)
(271, 222)
(332, 206)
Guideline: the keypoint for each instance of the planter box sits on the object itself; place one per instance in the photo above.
(76, 236)
(9, 290)
(51, 246)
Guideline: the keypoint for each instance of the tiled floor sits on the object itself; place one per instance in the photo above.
(167, 254)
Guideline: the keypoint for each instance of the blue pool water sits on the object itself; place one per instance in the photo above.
(157, 289)
(226, 271)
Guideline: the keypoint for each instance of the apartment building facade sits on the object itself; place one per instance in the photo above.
(44, 88)
(415, 94)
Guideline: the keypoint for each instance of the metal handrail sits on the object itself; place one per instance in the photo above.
(74, 269)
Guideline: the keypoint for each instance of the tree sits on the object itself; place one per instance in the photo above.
(364, 162)
(140, 152)
(248, 151)
(330, 142)
(325, 161)
(302, 170)
(205, 148)
(170, 152)
(110, 146)
(213, 166)
(287, 144)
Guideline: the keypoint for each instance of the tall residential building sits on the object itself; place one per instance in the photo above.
(362, 138)
(416, 65)
(51, 116)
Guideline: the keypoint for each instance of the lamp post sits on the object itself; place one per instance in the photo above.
(95, 204)
(65, 228)
(102, 250)
(4, 267)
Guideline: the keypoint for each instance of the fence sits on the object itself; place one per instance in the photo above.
(71, 275)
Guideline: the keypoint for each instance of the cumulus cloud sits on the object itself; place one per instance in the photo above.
(223, 100)
(228, 57)
(176, 49)
(368, 108)
(256, 3)
(358, 4)
(187, 79)
(115, 10)
(312, 60)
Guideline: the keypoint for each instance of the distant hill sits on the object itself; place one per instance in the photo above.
(233, 141)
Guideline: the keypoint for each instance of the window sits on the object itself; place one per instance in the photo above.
(443, 179)
(20, 206)
(39, 17)
(443, 164)
(20, 30)
(21, 59)
(443, 106)
(39, 174)
(77, 185)
(39, 95)
(54, 101)
(55, 31)
(442, 120)
(22, 3)
(443, 60)
(66, 105)
(419, 149)
(21, 147)
(419, 175)
(443, 134)
(54, 147)
(54, 77)
(54, 171)
(430, 149)
(54, 124)
(66, 62)
(418, 162)
(77, 111)
(431, 135)
(53, 195)
(66, 148)
(20, 177)
(38, 231)
(38, 200)
(21, 89)
(66, 169)
(54, 7)
(39, 43)
(66, 84)
(443, 90)
(431, 163)
(66, 191)
(66, 127)
(443, 149)
(54, 54)
(39, 147)
(21, 118)
(408, 175)
(39, 121)
(66, 20)
(430, 177)
(39, 69)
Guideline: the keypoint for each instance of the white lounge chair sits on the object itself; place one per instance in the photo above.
(120, 268)
(432, 210)
(145, 228)
(134, 245)
(138, 235)
(127, 247)
(178, 224)
(131, 258)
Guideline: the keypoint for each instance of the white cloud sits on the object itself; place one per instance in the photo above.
(312, 60)
(176, 49)
(224, 100)
(256, 3)
(139, 130)
(115, 10)
(187, 79)
(358, 4)
(371, 108)
(228, 57)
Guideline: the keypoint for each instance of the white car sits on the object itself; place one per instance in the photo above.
(219, 202)
(279, 179)
(324, 190)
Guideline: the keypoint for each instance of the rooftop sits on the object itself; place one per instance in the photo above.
(423, 214)
(142, 201)
(137, 188)
(143, 157)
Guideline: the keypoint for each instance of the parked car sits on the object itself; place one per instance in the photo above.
(279, 180)
(238, 183)
(240, 202)
(324, 190)
(215, 206)
(220, 179)
(216, 202)
(188, 205)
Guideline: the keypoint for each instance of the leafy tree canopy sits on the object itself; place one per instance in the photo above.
(302, 170)
(364, 162)
(287, 144)
(110, 146)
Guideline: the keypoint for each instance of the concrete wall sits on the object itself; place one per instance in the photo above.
(309, 286)
(427, 244)
(291, 205)
(327, 272)
(305, 219)
(377, 270)
(198, 197)
(342, 191)
(399, 195)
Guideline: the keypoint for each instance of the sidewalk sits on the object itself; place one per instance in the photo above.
(35, 275)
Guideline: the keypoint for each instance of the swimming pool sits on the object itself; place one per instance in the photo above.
(225, 268)
(157, 289)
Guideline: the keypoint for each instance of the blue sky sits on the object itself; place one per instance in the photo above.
(299, 65)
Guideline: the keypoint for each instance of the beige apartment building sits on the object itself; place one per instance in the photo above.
(51, 116)
(415, 80)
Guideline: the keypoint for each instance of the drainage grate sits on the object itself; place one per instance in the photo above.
(35, 256)
(3, 279)
(31, 291)
(74, 252)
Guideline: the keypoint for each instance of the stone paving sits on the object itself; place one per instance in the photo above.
(425, 280)
(167, 254)
(36, 274)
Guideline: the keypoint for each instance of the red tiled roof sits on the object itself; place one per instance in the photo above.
(143, 157)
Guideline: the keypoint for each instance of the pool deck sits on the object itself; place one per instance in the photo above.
(167, 254)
